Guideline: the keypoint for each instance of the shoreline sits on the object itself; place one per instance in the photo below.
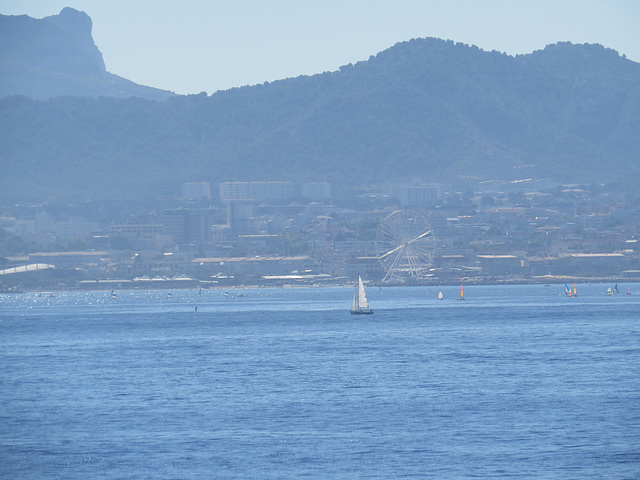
(130, 285)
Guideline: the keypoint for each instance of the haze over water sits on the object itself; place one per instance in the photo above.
(513, 382)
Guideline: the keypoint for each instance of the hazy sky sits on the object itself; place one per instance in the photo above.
(190, 46)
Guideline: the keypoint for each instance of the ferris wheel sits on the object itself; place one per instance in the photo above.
(405, 246)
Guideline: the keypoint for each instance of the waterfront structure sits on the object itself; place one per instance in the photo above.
(252, 267)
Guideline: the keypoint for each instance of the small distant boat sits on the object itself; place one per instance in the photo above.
(461, 297)
(440, 296)
(615, 289)
(609, 291)
(169, 295)
(360, 304)
(575, 291)
(628, 290)
(569, 292)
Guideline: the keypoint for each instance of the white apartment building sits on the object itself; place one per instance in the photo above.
(417, 195)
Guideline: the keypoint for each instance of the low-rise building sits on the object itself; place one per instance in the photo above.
(499, 265)
(367, 267)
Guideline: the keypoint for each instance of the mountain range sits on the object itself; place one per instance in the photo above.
(427, 110)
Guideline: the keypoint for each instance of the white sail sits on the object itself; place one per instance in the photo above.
(360, 304)
(362, 296)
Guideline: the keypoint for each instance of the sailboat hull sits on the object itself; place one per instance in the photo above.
(361, 312)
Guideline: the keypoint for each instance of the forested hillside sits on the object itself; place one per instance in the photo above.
(427, 108)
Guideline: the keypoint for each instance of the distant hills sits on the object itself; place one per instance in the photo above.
(56, 55)
(425, 109)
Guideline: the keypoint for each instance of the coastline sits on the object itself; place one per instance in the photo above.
(190, 284)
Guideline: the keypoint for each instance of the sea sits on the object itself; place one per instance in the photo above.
(515, 382)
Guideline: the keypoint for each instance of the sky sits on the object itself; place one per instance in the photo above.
(194, 46)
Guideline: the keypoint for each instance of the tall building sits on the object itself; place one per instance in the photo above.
(187, 226)
(240, 216)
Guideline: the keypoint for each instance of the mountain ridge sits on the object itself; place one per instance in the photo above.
(426, 109)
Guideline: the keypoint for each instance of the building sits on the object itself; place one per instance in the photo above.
(136, 230)
(256, 191)
(196, 191)
(187, 226)
(85, 260)
(316, 191)
(75, 228)
(500, 265)
(240, 216)
(591, 264)
(417, 195)
(368, 268)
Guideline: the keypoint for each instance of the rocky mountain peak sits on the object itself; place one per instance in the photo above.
(56, 55)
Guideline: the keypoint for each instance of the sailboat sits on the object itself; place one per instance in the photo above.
(461, 297)
(440, 296)
(609, 292)
(575, 292)
(360, 305)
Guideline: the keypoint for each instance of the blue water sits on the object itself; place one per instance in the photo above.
(513, 382)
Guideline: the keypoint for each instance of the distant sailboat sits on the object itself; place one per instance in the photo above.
(615, 289)
(440, 296)
(461, 297)
(628, 290)
(360, 304)
(575, 291)
(609, 291)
